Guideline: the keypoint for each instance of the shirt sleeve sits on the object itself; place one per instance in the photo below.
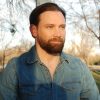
(8, 82)
(89, 87)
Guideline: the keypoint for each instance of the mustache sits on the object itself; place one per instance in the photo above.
(60, 39)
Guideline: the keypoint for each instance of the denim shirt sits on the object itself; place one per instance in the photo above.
(27, 78)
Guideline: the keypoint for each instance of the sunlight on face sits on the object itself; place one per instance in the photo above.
(51, 31)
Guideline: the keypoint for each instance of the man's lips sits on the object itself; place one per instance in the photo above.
(56, 42)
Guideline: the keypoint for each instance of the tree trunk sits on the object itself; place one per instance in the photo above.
(38, 2)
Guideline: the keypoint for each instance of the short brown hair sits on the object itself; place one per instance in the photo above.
(34, 16)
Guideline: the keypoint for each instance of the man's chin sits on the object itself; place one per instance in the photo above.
(53, 51)
(52, 47)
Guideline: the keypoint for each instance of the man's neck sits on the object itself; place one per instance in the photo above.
(49, 60)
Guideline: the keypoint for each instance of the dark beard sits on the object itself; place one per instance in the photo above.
(51, 47)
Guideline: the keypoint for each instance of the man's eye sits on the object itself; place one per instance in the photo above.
(63, 27)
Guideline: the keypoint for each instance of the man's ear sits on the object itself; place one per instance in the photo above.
(33, 30)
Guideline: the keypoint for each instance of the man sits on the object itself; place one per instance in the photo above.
(45, 72)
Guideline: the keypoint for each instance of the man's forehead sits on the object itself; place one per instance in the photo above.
(52, 17)
(51, 13)
(53, 24)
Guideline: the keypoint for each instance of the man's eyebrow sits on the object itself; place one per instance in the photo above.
(49, 24)
(54, 24)
(63, 24)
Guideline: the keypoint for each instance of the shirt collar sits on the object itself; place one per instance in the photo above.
(32, 56)
(64, 57)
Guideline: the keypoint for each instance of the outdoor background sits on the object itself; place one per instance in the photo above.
(82, 30)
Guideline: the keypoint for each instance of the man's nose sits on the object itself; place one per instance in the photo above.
(57, 32)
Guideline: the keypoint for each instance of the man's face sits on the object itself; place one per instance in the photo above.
(51, 32)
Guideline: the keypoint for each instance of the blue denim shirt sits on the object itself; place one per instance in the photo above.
(27, 78)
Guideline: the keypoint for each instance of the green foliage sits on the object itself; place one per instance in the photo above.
(96, 75)
(94, 60)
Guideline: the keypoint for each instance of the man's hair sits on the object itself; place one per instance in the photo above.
(35, 14)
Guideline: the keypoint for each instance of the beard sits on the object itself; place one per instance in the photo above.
(52, 46)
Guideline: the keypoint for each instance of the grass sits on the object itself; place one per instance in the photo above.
(96, 75)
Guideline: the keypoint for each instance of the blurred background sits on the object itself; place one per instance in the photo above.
(82, 30)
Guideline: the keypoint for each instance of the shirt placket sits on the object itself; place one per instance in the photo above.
(47, 79)
(52, 82)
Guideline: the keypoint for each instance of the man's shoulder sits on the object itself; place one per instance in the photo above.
(27, 54)
(70, 57)
(14, 60)
(74, 62)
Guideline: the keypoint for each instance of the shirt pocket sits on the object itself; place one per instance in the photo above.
(29, 92)
(71, 90)
(29, 89)
(71, 86)
(34, 90)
